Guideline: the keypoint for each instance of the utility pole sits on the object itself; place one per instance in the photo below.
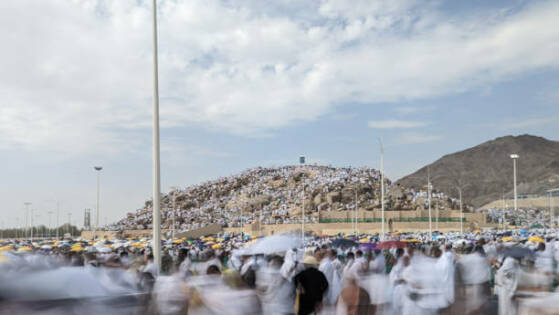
(57, 218)
(156, 217)
(429, 201)
(32, 224)
(25, 230)
(50, 227)
(382, 187)
(70, 223)
(461, 212)
(515, 157)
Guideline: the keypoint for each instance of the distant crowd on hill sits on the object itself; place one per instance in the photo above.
(277, 195)
(528, 217)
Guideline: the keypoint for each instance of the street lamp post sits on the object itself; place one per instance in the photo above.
(174, 209)
(31, 224)
(382, 188)
(98, 170)
(515, 157)
(156, 176)
(355, 211)
(551, 214)
(461, 212)
(429, 201)
(302, 162)
(57, 218)
(25, 230)
(303, 216)
(50, 227)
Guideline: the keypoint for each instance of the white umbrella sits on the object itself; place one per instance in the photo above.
(46, 247)
(105, 250)
(275, 244)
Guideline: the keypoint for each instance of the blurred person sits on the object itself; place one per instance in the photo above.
(276, 292)
(334, 283)
(475, 274)
(354, 300)
(248, 271)
(311, 286)
(506, 281)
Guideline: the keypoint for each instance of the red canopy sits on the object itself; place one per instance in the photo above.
(392, 244)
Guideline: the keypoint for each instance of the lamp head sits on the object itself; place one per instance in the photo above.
(97, 168)
(514, 156)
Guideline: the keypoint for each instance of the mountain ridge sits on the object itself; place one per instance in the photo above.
(485, 171)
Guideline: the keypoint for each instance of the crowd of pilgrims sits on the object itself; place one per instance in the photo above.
(455, 274)
(532, 216)
(275, 196)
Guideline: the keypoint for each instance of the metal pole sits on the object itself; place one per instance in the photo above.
(98, 188)
(174, 209)
(26, 229)
(429, 201)
(31, 224)
(50, 226)
(156, 176)
(550, 210)
(303, 216)
(461, 212)
(515, 193)
(57, 218)
(382, 187)
(356, 212)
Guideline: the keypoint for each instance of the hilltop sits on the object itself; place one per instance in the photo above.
(485, 172)
(278, 195)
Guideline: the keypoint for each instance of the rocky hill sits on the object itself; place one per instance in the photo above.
(278, 195)
(485, 172)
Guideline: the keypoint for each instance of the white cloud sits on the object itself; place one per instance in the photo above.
(414, 138)
(531, 122)
(76, 75)
(396, 124)
(406, 110)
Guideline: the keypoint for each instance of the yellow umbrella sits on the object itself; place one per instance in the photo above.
(5, 248)
(364, 240)
(24, 249)
(216, 246)
(477, 231)
(219, 240)
(76, 248)
(412, 240)
(536, 239)
(178, 241)
(507, 239)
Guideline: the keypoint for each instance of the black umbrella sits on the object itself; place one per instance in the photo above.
(343, 242)
(519, 252)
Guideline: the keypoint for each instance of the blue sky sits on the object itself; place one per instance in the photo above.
(256, 83)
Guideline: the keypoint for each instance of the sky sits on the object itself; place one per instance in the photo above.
(257, 83)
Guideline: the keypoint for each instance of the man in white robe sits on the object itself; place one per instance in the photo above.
(506, 280)
(334, 284)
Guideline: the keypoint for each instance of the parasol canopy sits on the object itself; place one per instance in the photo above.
(275, 244)
(343, 242)
(392, 244)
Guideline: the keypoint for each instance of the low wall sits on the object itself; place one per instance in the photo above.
(335, 228)
(124, 234)
(479, 218)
